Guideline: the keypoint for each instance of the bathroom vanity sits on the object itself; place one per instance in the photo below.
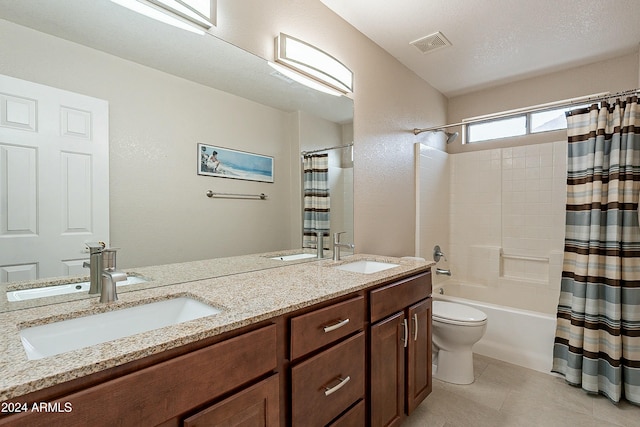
(303, 344)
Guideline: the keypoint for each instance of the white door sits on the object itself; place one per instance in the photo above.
(54, 179)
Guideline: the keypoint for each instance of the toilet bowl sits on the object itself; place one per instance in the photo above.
(456, 328)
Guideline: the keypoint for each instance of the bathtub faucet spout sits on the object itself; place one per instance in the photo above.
(443, 271)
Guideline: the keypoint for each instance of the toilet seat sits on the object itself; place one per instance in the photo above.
(457, 314)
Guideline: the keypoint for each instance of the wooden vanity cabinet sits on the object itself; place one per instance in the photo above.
(319, 366)
(163, 393)
(255, 406)
(400, 349)
(328, 369)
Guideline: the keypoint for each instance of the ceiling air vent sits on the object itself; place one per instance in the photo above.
(431, 42)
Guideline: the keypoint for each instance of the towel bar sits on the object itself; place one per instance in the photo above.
(525, 258)
(260, 196)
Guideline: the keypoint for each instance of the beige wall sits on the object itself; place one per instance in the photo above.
(389, 102)
(159, 211)
(157, 217)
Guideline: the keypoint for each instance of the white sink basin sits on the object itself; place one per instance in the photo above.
(60, 337)
(68, 288)
(365, 266)
(294, 257)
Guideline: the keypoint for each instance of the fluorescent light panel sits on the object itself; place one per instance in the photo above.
(192, 11)
(163, 13)
(313, 63)
(313, 84)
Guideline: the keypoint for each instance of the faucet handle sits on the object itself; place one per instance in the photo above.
(109, 258)
(95, 247)
(437, 254)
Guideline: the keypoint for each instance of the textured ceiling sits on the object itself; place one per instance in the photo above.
(495, 41)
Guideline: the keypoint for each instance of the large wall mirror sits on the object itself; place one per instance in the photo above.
(169, 90)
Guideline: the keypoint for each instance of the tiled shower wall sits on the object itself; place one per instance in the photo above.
(506, 222)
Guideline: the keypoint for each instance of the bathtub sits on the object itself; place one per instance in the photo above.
(513, 335)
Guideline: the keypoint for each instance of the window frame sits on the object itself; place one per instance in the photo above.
(527, 115)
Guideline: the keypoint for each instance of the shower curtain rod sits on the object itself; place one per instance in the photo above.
(541, 107)
(304, 153)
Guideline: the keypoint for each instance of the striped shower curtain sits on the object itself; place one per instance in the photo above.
(316, 198)
(597, 344)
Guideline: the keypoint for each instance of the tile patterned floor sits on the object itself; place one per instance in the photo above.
(506, 395)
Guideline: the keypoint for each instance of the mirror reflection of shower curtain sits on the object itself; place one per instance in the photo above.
(316, 198)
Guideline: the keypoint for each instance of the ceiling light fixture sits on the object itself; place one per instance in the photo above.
(172, 12)
(292, 75)
(311, 66)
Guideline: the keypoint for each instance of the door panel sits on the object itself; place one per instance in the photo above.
(387, 371)
(54, 179)
(419, 354)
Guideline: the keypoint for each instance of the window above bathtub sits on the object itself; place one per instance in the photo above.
(520, 122)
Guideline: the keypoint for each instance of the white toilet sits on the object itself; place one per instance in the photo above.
(456, 328)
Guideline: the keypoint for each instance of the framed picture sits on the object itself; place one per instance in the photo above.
(227, 163)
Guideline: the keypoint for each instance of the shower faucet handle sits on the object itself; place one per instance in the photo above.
(437, 254)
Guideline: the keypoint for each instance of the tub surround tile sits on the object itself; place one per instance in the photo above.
(244, 298)
(518, 208)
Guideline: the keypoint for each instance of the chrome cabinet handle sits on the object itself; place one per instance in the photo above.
(330, 390)
(340, 324)
(406, 333)
(415, 333)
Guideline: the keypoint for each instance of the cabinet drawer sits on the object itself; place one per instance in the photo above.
(354, 417)
(256, 406)
(327, 384)
(320, 327)
(166, 390)
(396, 296)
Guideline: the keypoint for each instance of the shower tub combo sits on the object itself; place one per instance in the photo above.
(514, 335)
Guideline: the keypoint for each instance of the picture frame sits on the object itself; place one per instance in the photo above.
(223, 162)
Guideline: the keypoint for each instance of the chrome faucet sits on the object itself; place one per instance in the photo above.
(95, 266)
(110, 279)
(320, 244)
(337, 245)
(102, 272)
(443, 271)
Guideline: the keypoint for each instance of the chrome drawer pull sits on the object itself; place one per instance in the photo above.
(340, 324)
(343, 381)
(415, 320)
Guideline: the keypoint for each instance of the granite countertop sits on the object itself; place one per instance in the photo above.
(244, 298)
(158, 275)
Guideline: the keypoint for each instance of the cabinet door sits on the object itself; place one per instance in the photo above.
(255, 406)
(419, 354)
(387, 371)
(164, 391)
